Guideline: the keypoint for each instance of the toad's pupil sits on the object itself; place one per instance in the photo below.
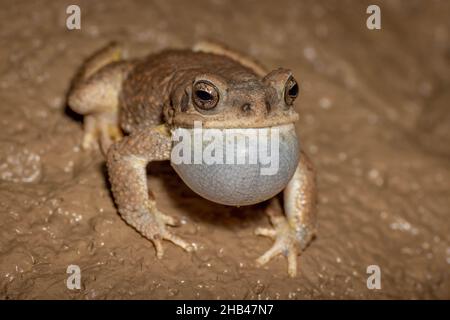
(203, 95)
(293, 91)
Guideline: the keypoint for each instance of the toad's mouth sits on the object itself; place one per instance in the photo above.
(235, 166)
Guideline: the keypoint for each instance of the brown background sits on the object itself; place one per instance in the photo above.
(375, 119)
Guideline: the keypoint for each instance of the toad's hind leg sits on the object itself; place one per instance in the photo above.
(95, 94)
(220, 49)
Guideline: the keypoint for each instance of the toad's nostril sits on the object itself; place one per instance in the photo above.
(246, 107)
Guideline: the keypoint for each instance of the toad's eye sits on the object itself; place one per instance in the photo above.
(205, 95)
(290, 91)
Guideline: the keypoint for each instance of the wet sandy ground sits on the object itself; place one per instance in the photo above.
(375, 119)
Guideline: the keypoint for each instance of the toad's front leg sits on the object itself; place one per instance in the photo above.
(292, 232)
(127, 161)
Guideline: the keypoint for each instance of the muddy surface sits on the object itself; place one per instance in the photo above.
(375, 119)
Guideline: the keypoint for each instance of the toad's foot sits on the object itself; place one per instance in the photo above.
(99, 128)
(154, 228)
(288, 241)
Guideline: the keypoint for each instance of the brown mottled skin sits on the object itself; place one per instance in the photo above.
(147, 98)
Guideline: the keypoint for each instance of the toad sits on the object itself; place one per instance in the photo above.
(133, 108)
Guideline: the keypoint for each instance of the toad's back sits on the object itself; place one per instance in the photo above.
(150, 83)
